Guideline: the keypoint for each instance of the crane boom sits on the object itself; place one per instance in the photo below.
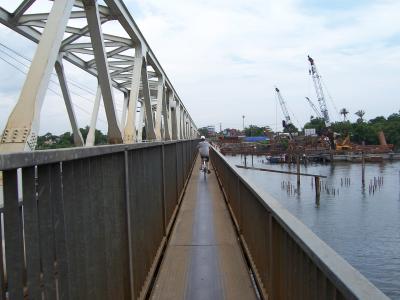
(283, 106)
(320, 92)
(315, 109)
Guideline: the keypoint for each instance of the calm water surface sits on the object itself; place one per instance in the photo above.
(362, 227)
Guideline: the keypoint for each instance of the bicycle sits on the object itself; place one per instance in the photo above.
(204, 168)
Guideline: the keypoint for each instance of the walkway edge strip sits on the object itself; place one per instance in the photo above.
(154, 271)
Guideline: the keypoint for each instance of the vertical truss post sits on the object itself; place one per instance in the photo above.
(174, 121)
(185, 124)
(169, 107)
(166, 115)
(78, 140)
(184, 129)
(182, 123)
(124, 109)
(90, 139)
(130, 127)
(180, 134)
(160, 101)
(150, 133)
(187, 127)
(22, 126)
(140, 124)
(96, 36)
(178, 120)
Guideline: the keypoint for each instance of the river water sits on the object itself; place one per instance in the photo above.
(361, 224)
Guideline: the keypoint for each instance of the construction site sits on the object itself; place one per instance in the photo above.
(323, 145)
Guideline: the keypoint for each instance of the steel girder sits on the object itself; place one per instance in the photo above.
(139, 76)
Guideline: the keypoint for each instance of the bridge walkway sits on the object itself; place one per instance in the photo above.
(203, 259)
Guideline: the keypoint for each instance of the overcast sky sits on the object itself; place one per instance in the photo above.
(224, 58)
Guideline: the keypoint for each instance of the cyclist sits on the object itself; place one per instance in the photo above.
(204, 149)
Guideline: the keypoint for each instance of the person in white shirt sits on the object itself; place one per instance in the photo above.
(204, 150)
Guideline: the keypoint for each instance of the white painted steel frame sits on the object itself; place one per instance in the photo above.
(140, 78)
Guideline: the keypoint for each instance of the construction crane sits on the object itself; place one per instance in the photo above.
(283, 107)
(287, 121)
(320, 92)
(315, 109)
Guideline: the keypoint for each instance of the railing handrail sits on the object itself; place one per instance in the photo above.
(347, 279)
(16, 160)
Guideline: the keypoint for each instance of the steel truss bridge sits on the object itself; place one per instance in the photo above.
(72, 31)
(139, 221)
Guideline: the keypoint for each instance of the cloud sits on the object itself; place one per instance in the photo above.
(225, 56)
(203, 46)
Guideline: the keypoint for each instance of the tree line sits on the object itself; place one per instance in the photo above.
(66, 140)
(363, 131)
(360, 131)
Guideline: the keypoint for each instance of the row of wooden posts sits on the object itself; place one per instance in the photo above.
(317, 178)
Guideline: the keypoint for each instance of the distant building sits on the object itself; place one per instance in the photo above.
(211, 130)
(231, 132)
(309, 132)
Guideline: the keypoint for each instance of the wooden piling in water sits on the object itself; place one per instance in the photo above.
(363, 168)
(317, 187)
(298, 170)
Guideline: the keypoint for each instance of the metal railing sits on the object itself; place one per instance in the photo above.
(288, 260)
(89, 223)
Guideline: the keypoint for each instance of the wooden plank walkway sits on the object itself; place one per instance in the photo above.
(203, 259)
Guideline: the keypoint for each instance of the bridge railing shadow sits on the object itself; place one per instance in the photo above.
(89, 223)
(288, 261)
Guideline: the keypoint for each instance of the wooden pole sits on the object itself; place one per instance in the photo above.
(278, 171)
(363, 168)
(298, 169)
(317, 187)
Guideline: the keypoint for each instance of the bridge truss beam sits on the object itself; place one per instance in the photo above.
(73, 31)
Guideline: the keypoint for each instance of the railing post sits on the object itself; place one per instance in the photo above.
(60, 234)
(176, 174)
(240, 221)
(163, 196)
(129, 224)
(182, 165)
(13, 236)
(270, 257)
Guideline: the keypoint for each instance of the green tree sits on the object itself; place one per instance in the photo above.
(317, 123)
(290, 128)
(360, 113)
(66, 140)
(343, 128)
(362, 132)
(392, 130)
(99, 137)
(254, 130)
(203, 131)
